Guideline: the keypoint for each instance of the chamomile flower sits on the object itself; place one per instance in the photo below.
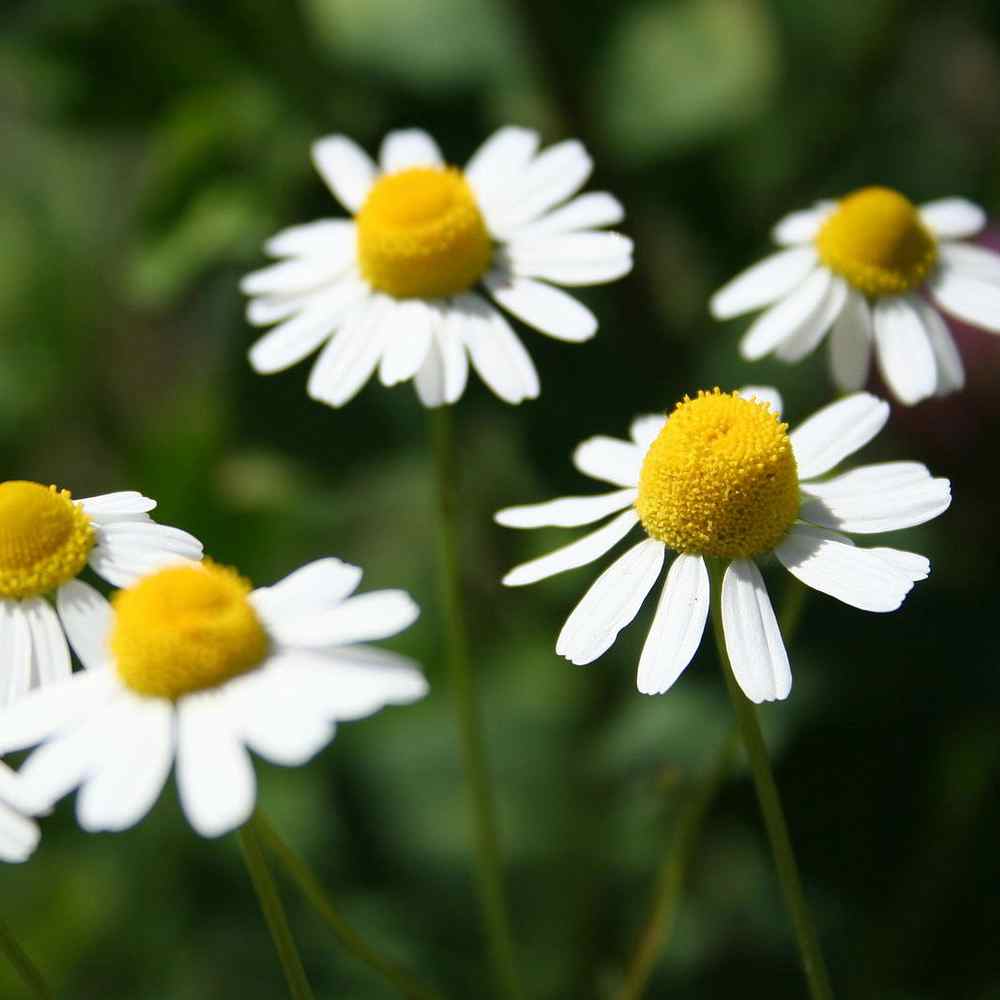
(405, 285)
(721, 478)
(46, 540)
(19, 835)
(189, 665)
(860, 268)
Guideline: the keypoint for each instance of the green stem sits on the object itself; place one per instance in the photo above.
(30, 974)
(274, 912)
(299, 872)
(770, 807)
(477, 775)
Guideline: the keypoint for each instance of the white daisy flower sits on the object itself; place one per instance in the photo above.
(19, 835)
(189, 664)
(405, 286)
(858, 268)
(722, 479)
(46, 540)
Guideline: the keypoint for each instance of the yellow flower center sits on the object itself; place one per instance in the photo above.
(45, 538)
(184, 629)
(875, 240)
(720, 478)
(421, 235)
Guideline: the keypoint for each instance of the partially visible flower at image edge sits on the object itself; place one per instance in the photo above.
(405, 286)
(863, 268)
(191, 665)
(46, 540)
(721, 478)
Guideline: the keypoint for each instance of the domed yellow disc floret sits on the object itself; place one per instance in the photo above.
(875, 240)
(720, 479)
(421, 235)
(45, 538)
(184, 629)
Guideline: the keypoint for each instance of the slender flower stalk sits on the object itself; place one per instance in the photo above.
(770, 807)
(274, 912)
(28, 972)
(483, 809)
(300, 873)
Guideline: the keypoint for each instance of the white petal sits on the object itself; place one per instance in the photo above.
(15, 654)
(502, 157)
(836, 431)
(767, 281)
(19, 836)
(335, 239)
(875, 498)
(974, 261)
(377, 615)
(317, 586)
(573, 259)
(910, 564)
(349, 360)
(967, 297)
(802, 227)
(126, 550)
(108, 506)
(612, 601)
(950, 370)
(786, 317)
(903, 350)
(753, 639)
(610, 460)
(273, 309)
(347, 169)
(677, 627)
(952, 218)
(215, 778)
(15, 793)
(545, 308)
(408, 331)
(566, 512)
(136, 763)
(645, 429)
(851, 344)
(496, 352)
(584, 550)
(445, 370)
(858, 577)
(86, 617)
(809, 335)
(764, 394)
(49, 651)
(294, 276)
(593, 210)
(405, 148)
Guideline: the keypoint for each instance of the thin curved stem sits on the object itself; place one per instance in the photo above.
(274, 912)
(465, 701)
(30, 974)
(300, 873)
(770, 807)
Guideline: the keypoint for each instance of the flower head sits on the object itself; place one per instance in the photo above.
(191, 665)
(722, 478)
(46, 540)
(859, 269)
(405, 286)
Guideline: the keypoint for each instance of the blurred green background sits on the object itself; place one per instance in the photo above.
(149, 148)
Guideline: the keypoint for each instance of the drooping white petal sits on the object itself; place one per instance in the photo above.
(346, 168)
(545, 308)
(408, 332)
(612, 601)
(966, 296)
(334, 239)
(405, 148)
(974, 261)
(786, 317)
(950, 370)
(644, 429)
(19, 836)
(109, 506)
(811, 333)
(496, 352)
(573, 259)
(677, 627)
(753, 639)
(349, 360)
(86, 616)
(584, 550)
(803, 226)
(764, 394)
(215, 777)
(593, 210)
(836, 431)
(952, 218)
(765, 282)
(565, 512)
(15, 653)
(318, 586)
(875, 498)
(365, 617)
(851, 344)
(903, 349)
(610, 459)
(445, 370)
(498, 161)
(49, 651)
(295, 276)
(858, 577)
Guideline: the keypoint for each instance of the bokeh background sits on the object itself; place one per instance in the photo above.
(149, 147)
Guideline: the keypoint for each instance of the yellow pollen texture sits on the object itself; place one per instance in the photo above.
(421, 235)
(876, 241)
(45, 538)
(184, 629)
(720, 479)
